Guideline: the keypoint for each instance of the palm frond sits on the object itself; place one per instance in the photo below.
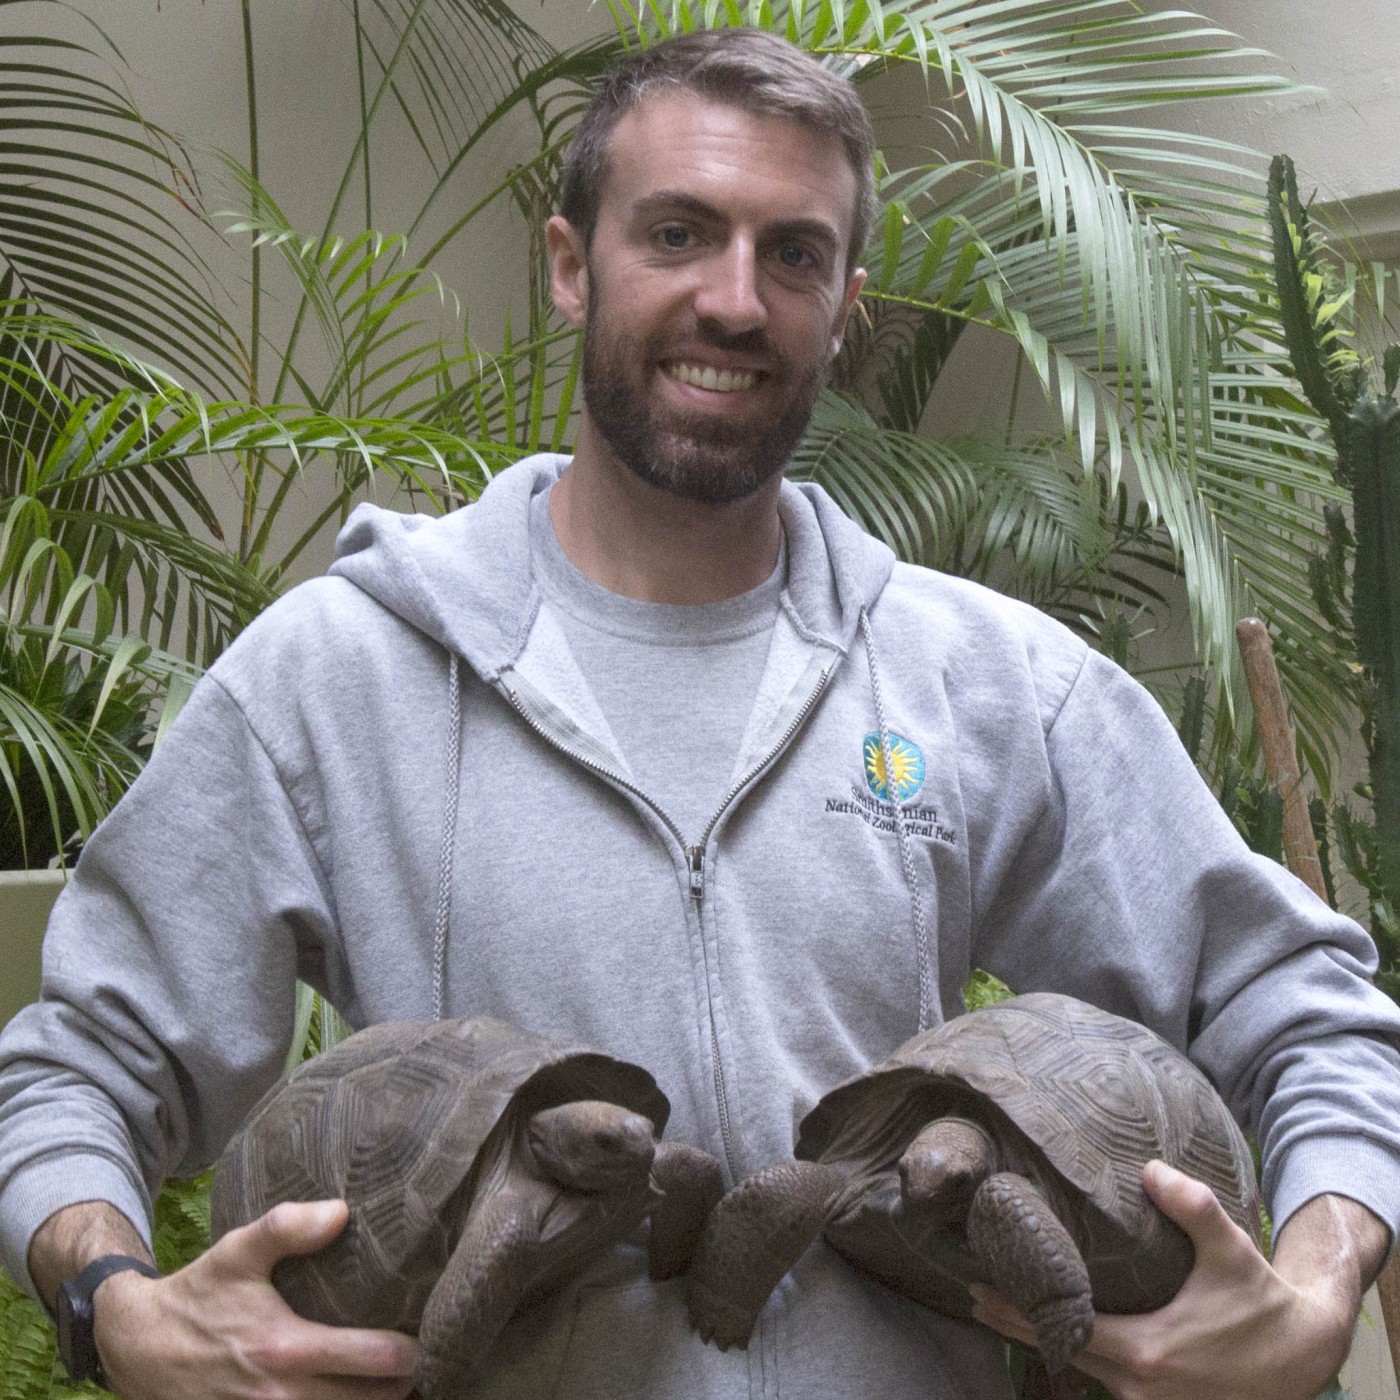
(1019, 516)
(365, 297)
(448, 65)
(116, 494)
(96, 208)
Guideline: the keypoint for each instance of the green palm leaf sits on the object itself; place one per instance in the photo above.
(1021, 517)
(96, 205)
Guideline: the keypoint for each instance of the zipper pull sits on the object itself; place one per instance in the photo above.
(697, 872)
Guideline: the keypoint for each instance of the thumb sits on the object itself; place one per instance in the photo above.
(1192, 1205)
(293, 1227)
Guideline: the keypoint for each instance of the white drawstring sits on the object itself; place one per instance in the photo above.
(449, 835)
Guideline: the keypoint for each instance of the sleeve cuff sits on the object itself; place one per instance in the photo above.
(36, 1191)
(1359, 1168)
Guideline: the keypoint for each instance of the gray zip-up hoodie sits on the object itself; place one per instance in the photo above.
(394, 786)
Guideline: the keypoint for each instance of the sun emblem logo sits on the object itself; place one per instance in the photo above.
(907, 760)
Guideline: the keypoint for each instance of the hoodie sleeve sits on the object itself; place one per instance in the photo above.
(168, 981)
(1135, 891)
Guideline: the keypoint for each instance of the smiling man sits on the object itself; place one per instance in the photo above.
(713, 304)
(713, 282)
(714, 784)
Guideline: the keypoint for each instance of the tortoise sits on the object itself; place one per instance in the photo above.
(483, 1165)
(1005, 1147)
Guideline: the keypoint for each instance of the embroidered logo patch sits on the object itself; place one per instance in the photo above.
(906, 761)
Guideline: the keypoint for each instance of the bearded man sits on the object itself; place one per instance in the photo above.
(604, 755)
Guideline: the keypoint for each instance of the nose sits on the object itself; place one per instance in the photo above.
(728, 296)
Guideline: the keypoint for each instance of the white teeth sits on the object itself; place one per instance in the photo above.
(723, 381)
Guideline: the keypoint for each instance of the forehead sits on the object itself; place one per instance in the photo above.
(753, 168)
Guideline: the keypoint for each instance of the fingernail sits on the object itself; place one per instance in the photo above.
(326, 1213)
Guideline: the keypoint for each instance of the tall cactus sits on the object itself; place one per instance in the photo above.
(1364, 421)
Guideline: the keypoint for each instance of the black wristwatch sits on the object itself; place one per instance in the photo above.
(74, 1319)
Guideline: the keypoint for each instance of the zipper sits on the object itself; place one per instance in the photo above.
(604, 772)
(696, 854)
(695, 857)
(698, 870)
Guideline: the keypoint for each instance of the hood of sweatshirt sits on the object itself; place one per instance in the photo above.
(415, 566)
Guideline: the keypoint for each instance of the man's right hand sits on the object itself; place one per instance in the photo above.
(219, 1330)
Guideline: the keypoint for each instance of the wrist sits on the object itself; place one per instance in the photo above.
(71, 1238)
(76, 1312)
(1331, 1250)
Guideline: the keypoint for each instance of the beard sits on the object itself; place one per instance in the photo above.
(693, 456)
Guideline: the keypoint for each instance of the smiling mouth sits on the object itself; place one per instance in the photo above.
(722, 381)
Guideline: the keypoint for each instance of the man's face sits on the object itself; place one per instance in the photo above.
(714, 294)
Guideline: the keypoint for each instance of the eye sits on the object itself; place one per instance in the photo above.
(795, 257)
(674, 236)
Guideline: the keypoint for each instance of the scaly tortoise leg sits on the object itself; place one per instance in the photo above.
(691, 1183)
(481, 1287)
(1034, 1263)
(598, 1153)
(753, 1237)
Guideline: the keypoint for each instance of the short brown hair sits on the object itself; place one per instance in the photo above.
(750, 69)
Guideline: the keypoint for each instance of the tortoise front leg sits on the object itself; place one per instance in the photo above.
(1031, 1259)
(492, 1266)
(691, 1183)
(753, 1237)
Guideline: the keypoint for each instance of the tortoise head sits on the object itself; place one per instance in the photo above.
(590, 1145)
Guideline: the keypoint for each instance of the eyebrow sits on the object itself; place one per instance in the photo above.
(667, 201)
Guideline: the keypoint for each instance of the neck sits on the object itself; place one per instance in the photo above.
(635, 539)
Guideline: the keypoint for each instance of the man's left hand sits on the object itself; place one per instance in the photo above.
(1240, 1328)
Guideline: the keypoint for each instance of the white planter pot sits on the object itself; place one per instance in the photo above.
(26, 896)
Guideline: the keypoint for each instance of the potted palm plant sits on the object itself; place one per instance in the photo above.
(109, 549)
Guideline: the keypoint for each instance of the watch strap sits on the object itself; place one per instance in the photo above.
(77, 1340)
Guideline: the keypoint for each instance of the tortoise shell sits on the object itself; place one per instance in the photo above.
(394, 1120)
(1078, 1100)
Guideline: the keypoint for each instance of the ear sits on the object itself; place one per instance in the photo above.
(568, 269)
(848, 300)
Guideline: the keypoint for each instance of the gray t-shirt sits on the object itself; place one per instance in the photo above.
(675, 682)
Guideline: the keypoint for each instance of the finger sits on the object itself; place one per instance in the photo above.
(992, 1310)
(1193, 1205)
(365, 1352)
(294, 1227)
(302, 1348)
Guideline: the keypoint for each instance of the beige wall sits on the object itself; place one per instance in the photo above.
(188, 75)
(187, 57)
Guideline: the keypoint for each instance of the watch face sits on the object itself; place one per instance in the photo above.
(74, 1327)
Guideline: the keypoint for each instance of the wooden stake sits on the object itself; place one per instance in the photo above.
(1300, 850)
(1280, 756)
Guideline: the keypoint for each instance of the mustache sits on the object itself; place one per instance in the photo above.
(750, 342)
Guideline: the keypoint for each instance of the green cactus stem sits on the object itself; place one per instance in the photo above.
(1365, 428)
(1368, 462)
